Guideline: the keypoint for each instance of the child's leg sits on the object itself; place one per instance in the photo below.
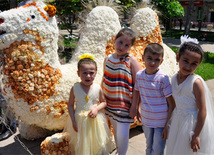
(149, 134)
(158, 142)
(121, 134)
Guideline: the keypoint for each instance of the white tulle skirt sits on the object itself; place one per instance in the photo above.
(182, 126)
(93, 136)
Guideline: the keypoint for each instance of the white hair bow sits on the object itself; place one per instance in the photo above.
(186, 38)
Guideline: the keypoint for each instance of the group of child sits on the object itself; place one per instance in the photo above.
(180, 111)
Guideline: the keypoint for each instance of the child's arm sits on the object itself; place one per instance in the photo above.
(135, 104)
(71, 109)
(104, 64)
(102, 105)
(198, 90)
(171, 106)
(135, 67)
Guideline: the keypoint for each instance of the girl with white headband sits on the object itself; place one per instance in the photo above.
(191, 130)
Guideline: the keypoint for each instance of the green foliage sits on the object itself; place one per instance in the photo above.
(170, 8)
(126, 3)
(67, 12)
(66, 7)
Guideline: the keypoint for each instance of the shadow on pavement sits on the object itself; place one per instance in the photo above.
(135, 131)
(17, 149)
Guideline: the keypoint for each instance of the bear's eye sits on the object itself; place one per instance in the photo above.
(33, 16)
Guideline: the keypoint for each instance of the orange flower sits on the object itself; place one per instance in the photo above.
(51, 10)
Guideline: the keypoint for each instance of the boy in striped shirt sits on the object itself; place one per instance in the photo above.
(157, 103)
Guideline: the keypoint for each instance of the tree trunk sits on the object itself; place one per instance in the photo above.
(13, 4)
(202, 17)
(170, 27)
(188, 17)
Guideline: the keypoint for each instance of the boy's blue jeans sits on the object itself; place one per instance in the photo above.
(154, 142)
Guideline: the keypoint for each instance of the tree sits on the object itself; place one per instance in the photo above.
(188, 17)
(202, 16)
(67, 12)
(169, 9)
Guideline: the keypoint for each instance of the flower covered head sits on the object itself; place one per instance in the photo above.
(86, 56)
(51, 10)
(86, 59)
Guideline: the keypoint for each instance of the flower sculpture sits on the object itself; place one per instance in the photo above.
(32, 78)
(35, 85)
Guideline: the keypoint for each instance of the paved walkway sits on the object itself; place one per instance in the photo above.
(137, 142)
(206, 46)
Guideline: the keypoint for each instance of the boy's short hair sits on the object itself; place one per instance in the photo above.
(154, 48)
(127, 32)
(86, 61)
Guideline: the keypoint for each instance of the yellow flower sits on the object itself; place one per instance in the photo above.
(86, 55)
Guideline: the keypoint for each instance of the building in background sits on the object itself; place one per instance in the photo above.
(203, 10)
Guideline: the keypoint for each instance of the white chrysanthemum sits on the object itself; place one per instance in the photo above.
(144, 21)
(101, 25)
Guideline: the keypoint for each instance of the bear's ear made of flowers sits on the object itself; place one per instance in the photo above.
(50, 9)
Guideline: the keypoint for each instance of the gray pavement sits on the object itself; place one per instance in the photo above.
(137, 143)
(206, 46)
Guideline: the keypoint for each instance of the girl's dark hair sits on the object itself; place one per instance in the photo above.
(86, 61)
(191, 46)
(154, 48)
(127, 32)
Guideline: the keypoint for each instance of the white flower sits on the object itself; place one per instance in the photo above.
(186, 38)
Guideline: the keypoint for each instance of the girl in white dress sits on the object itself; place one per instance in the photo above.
(192, 126)
(87, 124)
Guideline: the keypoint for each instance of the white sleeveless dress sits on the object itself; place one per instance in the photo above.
(184, 118)
(93, 136)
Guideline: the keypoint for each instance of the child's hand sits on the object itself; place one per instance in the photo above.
(132, 112)
(164, 133)
(93, 113)
(195, 143)
(139, 116)
(75, 126)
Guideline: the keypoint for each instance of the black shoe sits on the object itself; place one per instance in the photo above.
(5, 135)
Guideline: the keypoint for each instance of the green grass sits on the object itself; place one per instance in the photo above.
(206, 68)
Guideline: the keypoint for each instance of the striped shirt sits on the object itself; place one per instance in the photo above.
(117, 88)
(153, 91)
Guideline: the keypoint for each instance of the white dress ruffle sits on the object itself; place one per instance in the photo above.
(184, 119)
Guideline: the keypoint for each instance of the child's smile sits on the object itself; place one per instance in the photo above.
(188, 62)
